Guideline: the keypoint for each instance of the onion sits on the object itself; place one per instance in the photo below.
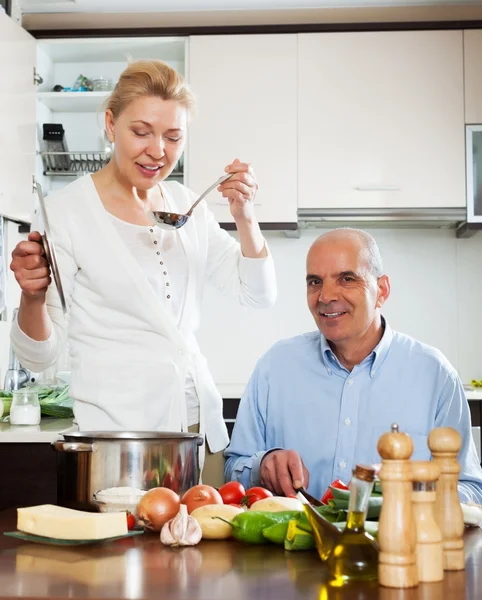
(156, 507)
(200, 495)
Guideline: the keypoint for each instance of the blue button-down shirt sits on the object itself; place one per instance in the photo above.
(301, 398)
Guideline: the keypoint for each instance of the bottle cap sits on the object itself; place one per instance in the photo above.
(364, 473)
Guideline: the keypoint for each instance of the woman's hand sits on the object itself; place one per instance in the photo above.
(30, 267)
(240, 190)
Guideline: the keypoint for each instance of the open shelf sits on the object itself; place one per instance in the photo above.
(73, 101)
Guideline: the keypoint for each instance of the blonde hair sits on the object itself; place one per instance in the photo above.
(150, 78)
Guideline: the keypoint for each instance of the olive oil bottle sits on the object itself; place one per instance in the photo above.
(355, 555)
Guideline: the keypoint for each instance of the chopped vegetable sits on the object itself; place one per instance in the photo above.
(298, 539)
(328, 495)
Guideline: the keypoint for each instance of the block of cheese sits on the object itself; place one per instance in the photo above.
(52, 521)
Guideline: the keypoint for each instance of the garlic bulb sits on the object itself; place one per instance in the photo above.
(182, 530)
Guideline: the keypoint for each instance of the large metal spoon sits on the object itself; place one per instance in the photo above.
(170, 220)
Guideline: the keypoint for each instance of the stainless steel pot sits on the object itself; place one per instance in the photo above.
(88, 462)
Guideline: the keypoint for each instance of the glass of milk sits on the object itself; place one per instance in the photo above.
(25, 409)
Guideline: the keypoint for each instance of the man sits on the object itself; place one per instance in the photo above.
(316, 405)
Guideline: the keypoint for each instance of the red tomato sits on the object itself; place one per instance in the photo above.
(328, 495)
(232, 492)
(131, 521)
(254, 494)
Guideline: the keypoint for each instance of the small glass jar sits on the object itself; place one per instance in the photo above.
(25, 408)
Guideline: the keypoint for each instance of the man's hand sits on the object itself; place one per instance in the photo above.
(283, 472)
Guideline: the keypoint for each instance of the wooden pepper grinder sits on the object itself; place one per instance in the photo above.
(429, 537)
(397, 566)
(445, 443)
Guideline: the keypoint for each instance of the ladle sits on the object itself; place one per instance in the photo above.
(170, 220)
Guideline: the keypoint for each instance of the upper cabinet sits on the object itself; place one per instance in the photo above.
(473, 79)
(246, 86)
(17, 128)
(381, 120)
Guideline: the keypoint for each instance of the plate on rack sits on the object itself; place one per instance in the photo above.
(27, 537)
(49, 248)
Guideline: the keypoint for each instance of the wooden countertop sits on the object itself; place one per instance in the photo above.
(142, 569)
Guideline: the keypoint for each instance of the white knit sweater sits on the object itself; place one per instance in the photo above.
(129, 358)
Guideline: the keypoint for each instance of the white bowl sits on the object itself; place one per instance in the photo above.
(118, 499)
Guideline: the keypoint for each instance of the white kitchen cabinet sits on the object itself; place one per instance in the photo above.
(17, 111)
(472, 71)
(381, 120)
(25, 107)
(246, 87)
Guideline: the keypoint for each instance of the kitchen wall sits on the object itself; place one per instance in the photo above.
(436, 297)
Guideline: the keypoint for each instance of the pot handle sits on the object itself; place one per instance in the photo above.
(61, 446)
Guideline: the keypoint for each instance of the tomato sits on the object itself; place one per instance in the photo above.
(328, 495)
(232, 492)
(254, 494)
(131, 521)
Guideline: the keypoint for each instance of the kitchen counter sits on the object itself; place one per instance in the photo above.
(474, 393)
(48, 431)
(141, 568)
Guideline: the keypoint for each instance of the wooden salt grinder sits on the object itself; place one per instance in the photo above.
(445, 443)
(397, 566)
(429, 537)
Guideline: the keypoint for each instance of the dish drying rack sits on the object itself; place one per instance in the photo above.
(73, 164)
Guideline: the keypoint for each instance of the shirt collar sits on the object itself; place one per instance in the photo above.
(377, 356)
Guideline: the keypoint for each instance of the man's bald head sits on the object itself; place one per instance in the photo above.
(346, 288)
(366, 245)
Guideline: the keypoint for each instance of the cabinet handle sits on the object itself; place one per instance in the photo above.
(377, 188)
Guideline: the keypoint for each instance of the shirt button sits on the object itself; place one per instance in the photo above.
(167, 282)
(155, 241)
(151, 230)
(161, 263)
(165, 273)
(350, 382)
(180, 351)
(342, 464)
(347, 421)
(158, 255)
(168, 296)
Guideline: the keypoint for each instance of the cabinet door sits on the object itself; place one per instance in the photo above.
(381, 120)
(17, 119)
(246, 91)
(473, 80)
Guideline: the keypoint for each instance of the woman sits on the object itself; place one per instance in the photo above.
(133, 290)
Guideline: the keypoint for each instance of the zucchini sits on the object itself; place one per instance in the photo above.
(298, 539)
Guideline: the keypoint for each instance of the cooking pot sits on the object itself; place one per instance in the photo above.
(88, 462)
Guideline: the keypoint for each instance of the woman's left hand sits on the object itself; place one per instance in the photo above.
(240, 190)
